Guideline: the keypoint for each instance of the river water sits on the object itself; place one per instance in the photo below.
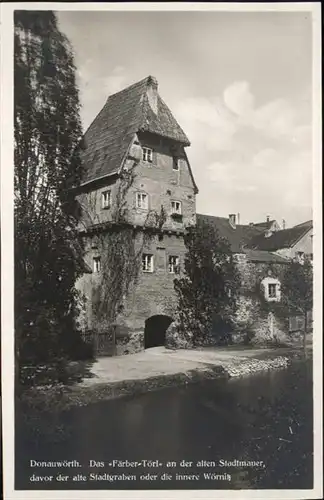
(183, 433)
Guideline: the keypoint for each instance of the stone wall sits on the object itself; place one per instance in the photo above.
(257, 320)
(252, 273)
(152, 293)
(158, 180)
(163, 184)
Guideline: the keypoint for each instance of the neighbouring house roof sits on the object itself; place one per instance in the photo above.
(264, 256)
(237, 237)
(285, 238)
(251, 240)
(125, 113)
(308, 224)
(264, 225)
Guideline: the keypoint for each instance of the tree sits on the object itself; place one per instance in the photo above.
(47, 135)
(207, 292)
(297, 290)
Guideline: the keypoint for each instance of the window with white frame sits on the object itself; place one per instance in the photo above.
(142, 201)
(106, 199)
(147, 263)
(271, 287)
(174, 264)
(96, 264)
(147, 154)
(176, 207)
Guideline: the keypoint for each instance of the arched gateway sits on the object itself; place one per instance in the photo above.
(155, 329)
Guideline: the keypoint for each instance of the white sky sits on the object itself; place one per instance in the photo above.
(239, 85)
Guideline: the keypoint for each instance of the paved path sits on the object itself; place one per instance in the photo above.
(160, 361)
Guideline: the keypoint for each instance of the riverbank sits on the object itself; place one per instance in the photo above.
(267, 416)
(114, 377)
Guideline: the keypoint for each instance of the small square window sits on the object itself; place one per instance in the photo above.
(176, 163)
(106, 199)
(174, 264)
(96, 264)
(176, 207)
(147, 154)
(142, 201)
(272, 290)
(147, 263)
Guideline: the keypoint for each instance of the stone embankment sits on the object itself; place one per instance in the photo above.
(251, 366)
(91, 390)
(157, 368)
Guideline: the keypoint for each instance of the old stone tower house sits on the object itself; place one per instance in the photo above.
(137, 197)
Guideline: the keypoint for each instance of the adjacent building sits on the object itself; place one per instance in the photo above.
(292, 243)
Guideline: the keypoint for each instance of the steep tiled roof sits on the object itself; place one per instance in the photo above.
(240, 237)
(264, 256)
(286, 238)
(308, 224)
(109, 136)
(237, 237)
(264, 225)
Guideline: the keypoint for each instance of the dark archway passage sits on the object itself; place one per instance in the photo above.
(155, 328)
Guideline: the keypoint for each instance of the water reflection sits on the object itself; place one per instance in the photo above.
(264, 417)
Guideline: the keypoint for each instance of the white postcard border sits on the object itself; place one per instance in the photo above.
(7, 255)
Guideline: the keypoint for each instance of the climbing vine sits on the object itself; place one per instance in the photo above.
(120, 245)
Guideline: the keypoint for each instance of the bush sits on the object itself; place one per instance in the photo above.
(175, 338)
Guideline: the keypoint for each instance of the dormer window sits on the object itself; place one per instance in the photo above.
(142, 201)
(176, 207)
(106, 199)
(147, 154)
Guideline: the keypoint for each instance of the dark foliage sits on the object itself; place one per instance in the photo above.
(48, 256)
(297, 289)
(207, 292)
